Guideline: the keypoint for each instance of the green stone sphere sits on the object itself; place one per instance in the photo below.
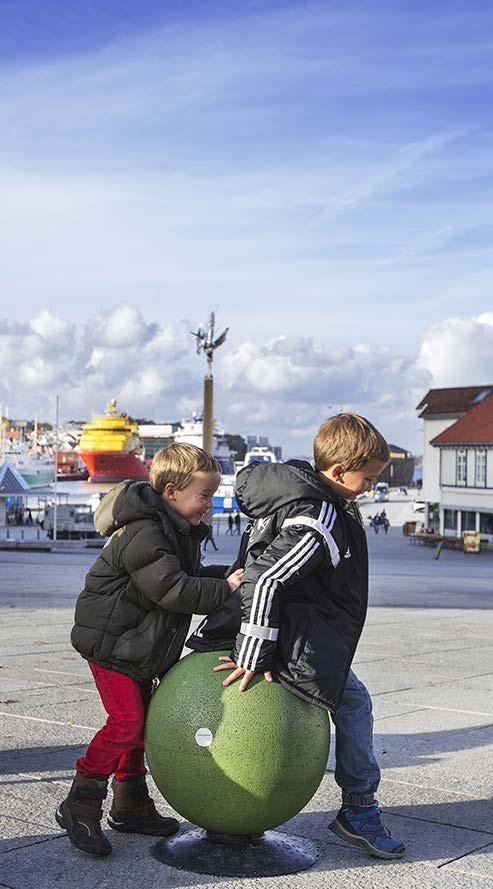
(229, 761)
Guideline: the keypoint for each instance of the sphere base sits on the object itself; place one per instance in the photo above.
(261, 855)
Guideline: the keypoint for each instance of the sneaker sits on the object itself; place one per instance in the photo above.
(363, 826)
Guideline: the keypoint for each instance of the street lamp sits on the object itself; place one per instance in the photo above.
(55, 486)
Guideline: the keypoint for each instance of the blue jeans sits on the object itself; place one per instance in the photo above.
(356, 772)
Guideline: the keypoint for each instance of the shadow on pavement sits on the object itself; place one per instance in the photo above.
(424, 748)
(39, 759)
(432, 832)
(393, 750)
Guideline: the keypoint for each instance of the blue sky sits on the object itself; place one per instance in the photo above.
(319, 171)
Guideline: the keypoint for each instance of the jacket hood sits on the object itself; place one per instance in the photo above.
(132, 501)
(263, 488)
(126, 502)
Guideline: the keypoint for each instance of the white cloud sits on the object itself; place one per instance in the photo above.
(459, 351)
(283, 388)
(291, 384)
(123, 326)
(48, 326)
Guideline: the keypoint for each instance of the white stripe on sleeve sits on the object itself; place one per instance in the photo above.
(281, 570)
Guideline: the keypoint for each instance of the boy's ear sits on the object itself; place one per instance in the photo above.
(169, 490)
(337, 472)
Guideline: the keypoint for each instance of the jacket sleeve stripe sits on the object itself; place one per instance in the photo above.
(273, 583)
(303, 555)
(293, 555)
(323, 527)
(275, 570)
(269, 633)
(265, 589)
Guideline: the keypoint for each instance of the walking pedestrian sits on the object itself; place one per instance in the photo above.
(237, 523)
(210, 539)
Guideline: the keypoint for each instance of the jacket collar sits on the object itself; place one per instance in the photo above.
(349, 506)
(181, 526)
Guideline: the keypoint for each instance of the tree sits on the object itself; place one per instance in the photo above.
(237, 445)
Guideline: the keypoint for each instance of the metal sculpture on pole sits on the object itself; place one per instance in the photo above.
(206, 341)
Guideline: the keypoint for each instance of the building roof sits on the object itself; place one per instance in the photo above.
(397, 451)
(475, 427)
(456, 401)
(11, 481)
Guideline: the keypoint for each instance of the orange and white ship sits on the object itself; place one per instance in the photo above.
(111, 448)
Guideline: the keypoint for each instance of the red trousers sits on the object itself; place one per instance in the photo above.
(118, 748)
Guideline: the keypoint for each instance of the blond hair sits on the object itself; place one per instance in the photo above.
(348, 439)
(177, 464)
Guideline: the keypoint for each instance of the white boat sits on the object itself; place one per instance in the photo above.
(260, 454)
(37, 469)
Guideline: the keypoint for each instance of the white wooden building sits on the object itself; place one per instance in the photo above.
(458, 460)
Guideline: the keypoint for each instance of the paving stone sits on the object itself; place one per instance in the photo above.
(418, 664)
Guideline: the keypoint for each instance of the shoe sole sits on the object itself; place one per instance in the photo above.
(123, 827)
(60, 820)
(343, 834)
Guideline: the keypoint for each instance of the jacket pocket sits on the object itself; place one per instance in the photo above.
(138, 643)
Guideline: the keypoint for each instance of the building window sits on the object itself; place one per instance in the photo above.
(468, 520)
(450, 520)
(461, 466)
(481, 468)
(486, 522)
(433, 516)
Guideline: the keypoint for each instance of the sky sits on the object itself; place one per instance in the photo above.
(320, 174)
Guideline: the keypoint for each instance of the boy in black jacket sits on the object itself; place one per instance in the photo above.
(131, 622)
(302, 603)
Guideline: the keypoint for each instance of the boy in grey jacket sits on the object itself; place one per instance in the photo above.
(131, 622)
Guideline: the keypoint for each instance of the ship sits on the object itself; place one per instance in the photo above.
(111, 448)
(70, 467)
(260, 454)
(36, 468)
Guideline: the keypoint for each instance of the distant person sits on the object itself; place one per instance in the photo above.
(229, 529)
(383, 521)
(301, 606)
(238, 523)
(131, 621)
(374, 523)
(210, 539)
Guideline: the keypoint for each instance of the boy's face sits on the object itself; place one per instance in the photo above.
(350, 484)
(195, 500)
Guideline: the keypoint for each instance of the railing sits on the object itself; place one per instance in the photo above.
(22, 533)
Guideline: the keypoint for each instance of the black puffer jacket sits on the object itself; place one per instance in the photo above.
(134, 613)
(302, 603)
